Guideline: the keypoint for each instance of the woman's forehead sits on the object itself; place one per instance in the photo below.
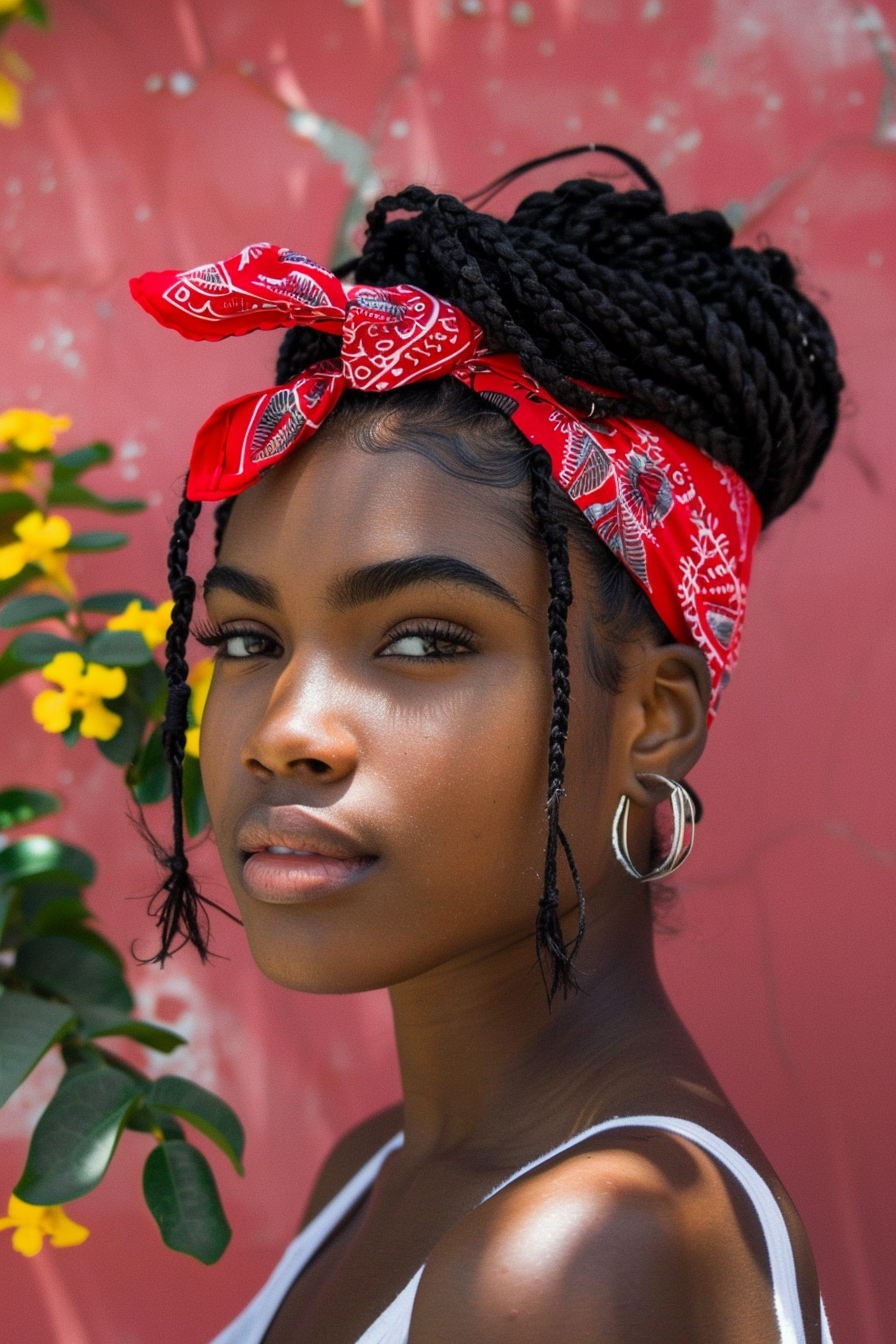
(337, 505)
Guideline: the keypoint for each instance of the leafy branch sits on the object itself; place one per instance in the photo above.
(62, 984)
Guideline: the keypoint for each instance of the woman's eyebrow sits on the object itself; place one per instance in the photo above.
(373, 583)
(245, 585)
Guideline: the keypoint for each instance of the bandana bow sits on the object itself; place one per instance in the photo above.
(683, 525)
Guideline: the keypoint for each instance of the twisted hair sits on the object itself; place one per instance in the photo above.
(586, 283)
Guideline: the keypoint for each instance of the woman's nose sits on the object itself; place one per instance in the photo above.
(303, 732)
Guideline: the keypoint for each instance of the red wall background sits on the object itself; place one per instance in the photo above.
(171, 133)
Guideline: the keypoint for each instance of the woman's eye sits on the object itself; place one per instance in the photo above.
(425, 644)
(245, 646)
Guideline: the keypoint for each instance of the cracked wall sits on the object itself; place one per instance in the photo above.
(166, 134)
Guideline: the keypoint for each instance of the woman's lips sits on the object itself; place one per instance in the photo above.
(282, 877)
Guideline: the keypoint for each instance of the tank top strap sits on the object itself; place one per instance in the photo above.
(777, 1239)
(252, 1323)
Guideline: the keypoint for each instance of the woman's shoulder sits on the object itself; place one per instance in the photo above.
(635, 1235)
(349, 1155)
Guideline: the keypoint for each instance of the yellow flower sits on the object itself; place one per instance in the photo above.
(40, 540)
(9, 6)
(33, 1222)
(200, 679)
(84, 688)
(31, 430)
(153, 625)
(10, 100)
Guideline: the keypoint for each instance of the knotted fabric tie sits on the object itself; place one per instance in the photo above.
(683, 525)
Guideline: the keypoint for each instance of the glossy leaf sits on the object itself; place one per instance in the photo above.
(149, 685)
(67, 466)
(195, 806)
(40, 855)
(202, 1109)
(16, 502)
(76, 972)
(24, 576)
(39, 647)
(19, 807)
(80, 932)
(71, 494)
(6, 899)
(28, 1027)
(98, 1021)
(59, 912)
(113, 604)
(34, 607)
(183, 1198)
(148, 1120)
(34, 12)
(77, 1134)
(118, 648)
(98, 541)
(10, 665)
(122, 748)
(71, 736)
(150, 778)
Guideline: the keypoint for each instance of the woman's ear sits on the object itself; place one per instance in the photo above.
(663, 719)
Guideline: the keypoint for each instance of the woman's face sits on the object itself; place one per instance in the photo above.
(374, 747)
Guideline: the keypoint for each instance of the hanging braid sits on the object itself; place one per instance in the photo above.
(550, 944)
(582, 282)
(177, 904)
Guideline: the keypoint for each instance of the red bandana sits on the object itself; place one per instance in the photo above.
(682, 525)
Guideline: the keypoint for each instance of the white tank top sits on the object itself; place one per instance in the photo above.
(393, 1326)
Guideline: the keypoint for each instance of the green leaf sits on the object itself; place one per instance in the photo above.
(38, 647)
(149, 685)
(33, 12)
(6, 899)
(72, 734)
(118, 648)
(148, 1120)
(10, 665)
(36, 607)
(72, 495)
(195, 806)
(122, 748)
(28, 1027)
(19, 807)
(71, 464)
(10, 586)
(150, 777)
(182, 1196)
(62, 913)
(41, 856)
(97, 541)
(76, 1136)
(202, 1109)
(98, 1021)
(69, 968)
(16, 502)
(77, 929)
(113, 604)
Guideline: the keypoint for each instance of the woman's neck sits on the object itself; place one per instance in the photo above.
(488, 1069)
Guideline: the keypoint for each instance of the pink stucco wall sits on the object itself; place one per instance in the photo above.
(165, 134)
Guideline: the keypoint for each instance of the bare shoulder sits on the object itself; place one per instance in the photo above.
(349, 1156)
(633, 1239)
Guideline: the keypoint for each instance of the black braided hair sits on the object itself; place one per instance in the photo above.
(177, 905)
(549, 941)
(582, 282)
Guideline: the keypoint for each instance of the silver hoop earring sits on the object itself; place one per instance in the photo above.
(684, 819)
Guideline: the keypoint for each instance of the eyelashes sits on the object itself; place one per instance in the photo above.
(429, 640)
(410, 641)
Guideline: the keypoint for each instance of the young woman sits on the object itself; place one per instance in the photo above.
(483, 556)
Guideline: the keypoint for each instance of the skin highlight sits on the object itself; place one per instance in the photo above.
(380, 704)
